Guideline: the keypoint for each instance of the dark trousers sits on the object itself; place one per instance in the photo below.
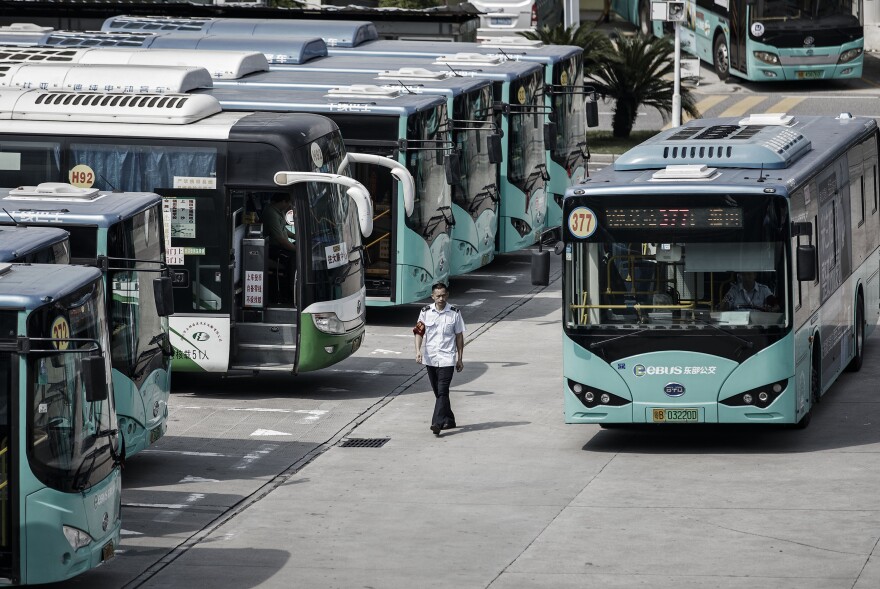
(440, 377)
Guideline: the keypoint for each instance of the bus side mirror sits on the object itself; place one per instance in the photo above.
(452, 166)
(592, 111)
(541, 268)
(806, 263)
(559, 248)
(94, 377)
(163, 294)
(493, 144)
(550, 131)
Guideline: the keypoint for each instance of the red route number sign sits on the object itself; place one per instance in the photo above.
(582, 222)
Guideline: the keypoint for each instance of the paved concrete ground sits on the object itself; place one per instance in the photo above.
(515, 499)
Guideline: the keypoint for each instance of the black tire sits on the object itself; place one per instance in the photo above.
(856, 363)
(646, 25)
(721, 57)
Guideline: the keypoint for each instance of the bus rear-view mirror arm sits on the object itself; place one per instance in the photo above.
(398, 170)
(355, 190)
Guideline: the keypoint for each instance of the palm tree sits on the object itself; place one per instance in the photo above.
(597, 48)
(640, 75)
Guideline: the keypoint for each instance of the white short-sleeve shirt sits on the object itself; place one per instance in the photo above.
(740, 298)
(440, 330)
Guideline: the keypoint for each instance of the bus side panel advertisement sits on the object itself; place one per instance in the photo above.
(201, 344)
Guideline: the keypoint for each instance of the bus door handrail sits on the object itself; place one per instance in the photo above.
(473, 125)
(575, 90)
(523, 109)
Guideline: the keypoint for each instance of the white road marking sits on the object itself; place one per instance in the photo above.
(252, 457)
(381, 351)
(129, 533)
(476, 303)
(192, 479)
(332, 390)
(477, 290)
(269, 432)
(350, 371)
(312, 414)
(509, 278)
(156, 505)
(183, 453)
(257, 409)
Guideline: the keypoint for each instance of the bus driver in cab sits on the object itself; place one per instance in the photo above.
(749, 294)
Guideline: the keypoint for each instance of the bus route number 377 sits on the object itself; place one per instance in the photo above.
(582, 222)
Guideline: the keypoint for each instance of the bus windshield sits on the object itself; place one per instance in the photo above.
(812, 14)
(570, 110)
(333, 225)
(526, 143)
(428, 135)
(477, 188)
(719, 263)
(65, 450)
(137, 333)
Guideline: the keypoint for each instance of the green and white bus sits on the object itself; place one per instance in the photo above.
(238, 305)
(34, 245)
(767, 40)
(725, 271)
(60, 485)
(121, 233)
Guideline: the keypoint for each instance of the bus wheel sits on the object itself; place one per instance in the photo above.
(856, 363)
(721, 58)
(646, 26)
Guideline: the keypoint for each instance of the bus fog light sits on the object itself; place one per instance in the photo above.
(769, 74)
(589, 396)
(76, 537)
(762, 397)
(329, 349)
(578, 388)
(604, 398)
(846, 71)
(777, 388)
(747, 398)
(328, 323)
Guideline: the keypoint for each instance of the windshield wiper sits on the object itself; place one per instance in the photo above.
(489, 191)
(540, 172)
(748, 344)
(93, 455)
(601, 343)
(576, 154)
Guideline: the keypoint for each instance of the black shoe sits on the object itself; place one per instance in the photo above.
(436, 429)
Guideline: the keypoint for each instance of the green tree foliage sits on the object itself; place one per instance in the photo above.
(640, 74)
(596, 45)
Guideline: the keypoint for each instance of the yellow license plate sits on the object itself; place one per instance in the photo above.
(107, 551)
(155, 433)
(675, 415)
(809, 75)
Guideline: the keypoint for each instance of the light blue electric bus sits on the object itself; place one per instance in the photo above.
(34, 245)
(122, 233)
(572, 106)
(411, 249)
(336, 33)
(770, 40)
(520, 111)
(473, 132)
(60, 485)
(725, 271)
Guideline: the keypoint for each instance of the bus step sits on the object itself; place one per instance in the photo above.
(263, 367)
(249, 354)
(273, 334)
(285, 315)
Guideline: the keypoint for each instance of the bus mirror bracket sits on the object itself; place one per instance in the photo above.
(163, 294)
(94, 375)
(802, 228)
(806, 262)
(398, 170)
(493, 145)
(355, 190)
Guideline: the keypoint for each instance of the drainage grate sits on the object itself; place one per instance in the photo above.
(364, 442)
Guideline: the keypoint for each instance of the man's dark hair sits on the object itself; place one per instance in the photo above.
(279, 197)
(439, 285)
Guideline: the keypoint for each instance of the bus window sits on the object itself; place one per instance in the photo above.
(29, 164)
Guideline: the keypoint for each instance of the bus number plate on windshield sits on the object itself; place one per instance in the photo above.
(675, 415)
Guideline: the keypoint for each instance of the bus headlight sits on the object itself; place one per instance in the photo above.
(760, 397)
(767, 57)
(849, 55)
(328, 323)
(76, 537)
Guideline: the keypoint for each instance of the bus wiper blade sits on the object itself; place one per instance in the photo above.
(450, 219)
(93, 455)
(595, 345)
(488, 192)
(749, 345)
(576, 154)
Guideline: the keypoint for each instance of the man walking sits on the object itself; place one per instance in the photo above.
(441, 328)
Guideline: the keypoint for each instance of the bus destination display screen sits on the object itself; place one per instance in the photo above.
(674, 218)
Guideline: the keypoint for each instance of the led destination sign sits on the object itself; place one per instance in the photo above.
(674, 218)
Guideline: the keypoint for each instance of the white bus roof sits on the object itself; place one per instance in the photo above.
(104, 78)
(222, 65)
(166, 109)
